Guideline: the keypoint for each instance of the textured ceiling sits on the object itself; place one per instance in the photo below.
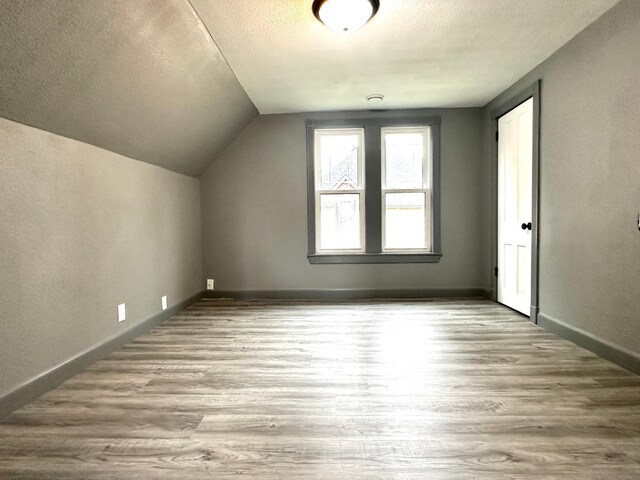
(418, 53)
(141, 78)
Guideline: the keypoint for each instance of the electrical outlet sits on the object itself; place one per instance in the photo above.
(164, 302)
(210, 284)
(122, 314)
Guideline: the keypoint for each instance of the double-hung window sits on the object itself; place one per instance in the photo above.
(373, 190)
(406, 192)
(339, 190)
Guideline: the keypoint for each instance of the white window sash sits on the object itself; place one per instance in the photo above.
(360, 194)
(427, 165)
(428, 194)
(360, 191)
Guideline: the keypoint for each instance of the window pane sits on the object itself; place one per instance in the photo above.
(339, 161)
(405, 220)
(404, 158)
(340, 222)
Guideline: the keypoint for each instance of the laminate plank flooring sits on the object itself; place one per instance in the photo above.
(420, 389)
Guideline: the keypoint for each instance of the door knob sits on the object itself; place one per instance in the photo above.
(526, 226)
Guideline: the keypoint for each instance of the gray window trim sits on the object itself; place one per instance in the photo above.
(373, 198)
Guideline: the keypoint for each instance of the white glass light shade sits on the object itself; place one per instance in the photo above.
(345, 16)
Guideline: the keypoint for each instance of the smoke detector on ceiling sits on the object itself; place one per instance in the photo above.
(375, 98)
(345, 16)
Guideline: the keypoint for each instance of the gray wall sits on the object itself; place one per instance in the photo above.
(82, 230)
(254, 216)
(590, 178)
(142, 78)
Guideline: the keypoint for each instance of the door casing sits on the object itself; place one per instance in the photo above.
(532, 92)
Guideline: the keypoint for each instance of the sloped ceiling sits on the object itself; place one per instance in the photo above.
(142, 78)
(418, 53)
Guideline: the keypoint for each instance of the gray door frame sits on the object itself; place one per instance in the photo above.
(531, 92)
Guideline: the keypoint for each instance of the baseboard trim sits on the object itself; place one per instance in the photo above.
(610, 351)
(533, 314)
(347, 294)
(42, 383)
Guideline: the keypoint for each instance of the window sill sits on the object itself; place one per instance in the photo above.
(346, 258)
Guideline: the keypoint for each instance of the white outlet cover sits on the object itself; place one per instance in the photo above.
(210, 284)
(122, 314)
(164, 302)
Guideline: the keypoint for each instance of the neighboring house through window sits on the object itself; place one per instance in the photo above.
(374, 193)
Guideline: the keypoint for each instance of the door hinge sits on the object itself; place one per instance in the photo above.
(496, 271)
(497, 135)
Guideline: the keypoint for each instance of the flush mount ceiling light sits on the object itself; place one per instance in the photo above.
(345, 16)
(375, 98)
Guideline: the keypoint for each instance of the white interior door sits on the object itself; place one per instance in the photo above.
(515, 181)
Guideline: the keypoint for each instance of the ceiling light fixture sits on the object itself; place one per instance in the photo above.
(345, 16)
(375, 98)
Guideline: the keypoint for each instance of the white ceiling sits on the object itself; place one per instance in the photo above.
(418, 53)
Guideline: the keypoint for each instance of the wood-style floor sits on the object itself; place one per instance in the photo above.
(447, 389)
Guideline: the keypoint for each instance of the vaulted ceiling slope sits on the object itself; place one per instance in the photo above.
(418, 53)
(141, 78)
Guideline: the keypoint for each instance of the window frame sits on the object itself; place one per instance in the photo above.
(372, 209)
(360, 191)
(426, 188)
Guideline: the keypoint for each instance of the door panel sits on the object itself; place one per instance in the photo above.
(515, 181)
